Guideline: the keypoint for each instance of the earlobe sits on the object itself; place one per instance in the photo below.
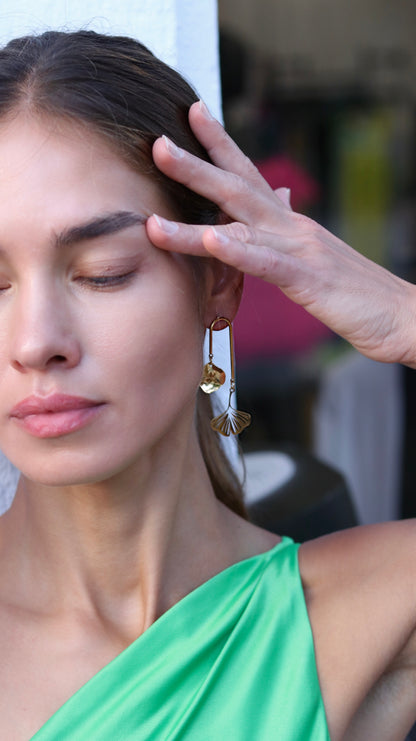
(224, 289)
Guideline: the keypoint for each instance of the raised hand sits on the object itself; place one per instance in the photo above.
(363, 302)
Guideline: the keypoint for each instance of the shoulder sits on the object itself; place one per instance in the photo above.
(362, 552)
(374, 561)
(360, 592)
(364, 579)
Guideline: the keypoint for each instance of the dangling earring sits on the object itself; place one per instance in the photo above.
(230, 422)
(212, 376)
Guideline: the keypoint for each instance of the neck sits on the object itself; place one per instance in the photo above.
(138, 542)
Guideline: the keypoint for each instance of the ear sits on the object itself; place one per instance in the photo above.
(223, 291)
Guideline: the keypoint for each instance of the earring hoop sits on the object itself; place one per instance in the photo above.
(232, 421)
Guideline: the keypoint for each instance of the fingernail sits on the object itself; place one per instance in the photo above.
(219, 236)
(169, 227)
(205, 112)
(172, 148)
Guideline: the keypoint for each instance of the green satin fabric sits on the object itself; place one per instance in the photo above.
(233, 660)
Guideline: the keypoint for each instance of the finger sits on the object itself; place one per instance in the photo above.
(234, 195)
(222, 150)
(260, 254)
(192, 239)
(176, 237)
(201, 240)
(262, 260)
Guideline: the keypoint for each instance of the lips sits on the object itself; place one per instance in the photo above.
(50, 405)
(55, 415)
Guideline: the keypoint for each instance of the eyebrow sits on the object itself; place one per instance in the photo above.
(98, 227)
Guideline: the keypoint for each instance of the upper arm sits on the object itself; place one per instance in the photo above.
(360, 589)
(389, 710)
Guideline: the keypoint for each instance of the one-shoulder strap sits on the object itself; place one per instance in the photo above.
(234, 658)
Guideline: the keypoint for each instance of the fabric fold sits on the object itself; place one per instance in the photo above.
(233, 659)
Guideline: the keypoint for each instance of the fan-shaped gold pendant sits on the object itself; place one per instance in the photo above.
(231, 422)
(212, 378)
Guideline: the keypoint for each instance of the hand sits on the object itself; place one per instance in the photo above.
(366, 304)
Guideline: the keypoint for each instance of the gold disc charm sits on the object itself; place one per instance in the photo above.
(212, 378)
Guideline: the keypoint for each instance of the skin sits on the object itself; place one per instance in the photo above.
(267, 239)
(360, 585)
(96, 546)
(97, 543)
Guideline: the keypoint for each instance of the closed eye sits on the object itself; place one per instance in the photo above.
(105, 281)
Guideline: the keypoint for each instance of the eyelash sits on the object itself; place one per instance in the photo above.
(97, 282)
(105, 281)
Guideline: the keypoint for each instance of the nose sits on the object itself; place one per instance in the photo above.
(42, 330)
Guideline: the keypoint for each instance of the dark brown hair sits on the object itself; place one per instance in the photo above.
(120, 89)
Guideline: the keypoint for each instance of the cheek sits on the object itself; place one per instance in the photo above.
(150, 340)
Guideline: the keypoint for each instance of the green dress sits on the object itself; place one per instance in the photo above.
(233, 660)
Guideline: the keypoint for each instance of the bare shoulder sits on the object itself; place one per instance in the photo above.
(360, 591)
(359, 552)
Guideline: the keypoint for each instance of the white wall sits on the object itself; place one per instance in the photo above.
(182, 32)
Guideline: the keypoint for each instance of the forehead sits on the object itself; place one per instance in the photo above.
(54, 170)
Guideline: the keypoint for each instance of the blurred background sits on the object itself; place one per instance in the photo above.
(322, 96)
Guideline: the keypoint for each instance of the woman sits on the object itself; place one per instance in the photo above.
(135, 600)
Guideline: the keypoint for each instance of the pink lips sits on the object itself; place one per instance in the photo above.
(56, 415)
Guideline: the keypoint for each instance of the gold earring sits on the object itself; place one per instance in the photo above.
(212, 376)
(230, 422)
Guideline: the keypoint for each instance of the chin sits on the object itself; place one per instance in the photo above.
(66, 471)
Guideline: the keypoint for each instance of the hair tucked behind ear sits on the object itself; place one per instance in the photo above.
(118, 88)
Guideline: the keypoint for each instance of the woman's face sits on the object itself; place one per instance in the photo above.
(100, 335)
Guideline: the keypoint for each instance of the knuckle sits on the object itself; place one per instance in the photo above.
(248, 166)
(238, 186)
(310, 233)
(305, 222)
(240, 231)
